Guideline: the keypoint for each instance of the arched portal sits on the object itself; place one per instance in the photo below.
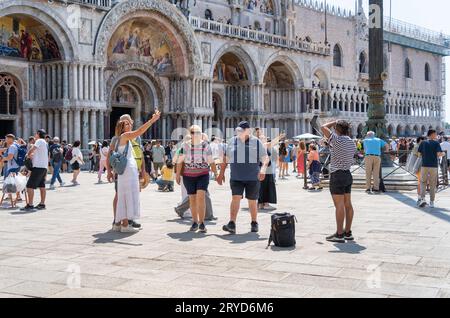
(279, 89)
(232, 76)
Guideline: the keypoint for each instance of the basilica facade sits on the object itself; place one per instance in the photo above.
(74, 67)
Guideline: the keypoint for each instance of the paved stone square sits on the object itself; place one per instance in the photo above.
(400, 251)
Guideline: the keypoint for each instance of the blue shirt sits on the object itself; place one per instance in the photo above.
(373, 146)
(12, 164)
(244, 158)
(429, 150)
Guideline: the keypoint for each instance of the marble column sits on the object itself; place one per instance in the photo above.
(42, 120)
(65, 81)
(93, 125)
(164, 128)
(57, 128)
(60, 81)
(86, 83)
(102, 85)
(74, 86)
(76, 125)
(70, 127)
(50, 123)
(85, 128)
(96, 83)
(64, 126)
(48, 76)
(26, 119)
(80, 82)
(101, 125)
(54, 80)
(91, 82)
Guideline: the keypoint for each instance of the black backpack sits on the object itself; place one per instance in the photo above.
(282, 232)
(57, 156)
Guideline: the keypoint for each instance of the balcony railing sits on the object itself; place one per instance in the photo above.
(257, 36)
(416, 32)
(101, 4)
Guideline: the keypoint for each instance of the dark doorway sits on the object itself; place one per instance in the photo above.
(115, 116)
(6, 127)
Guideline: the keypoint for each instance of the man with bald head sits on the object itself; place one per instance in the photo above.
(373, 147)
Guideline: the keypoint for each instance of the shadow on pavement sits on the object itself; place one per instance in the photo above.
(186, 236)
(282, 249)
(188, 221)
(348, 248)
(113, 237)
(439, 213)
(241, 238)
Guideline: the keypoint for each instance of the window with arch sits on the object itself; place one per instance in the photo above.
(308, 39)
(408, 68)
(337, 56)
(363, 63)
(208, 14)
(8, 95)
(427, 73)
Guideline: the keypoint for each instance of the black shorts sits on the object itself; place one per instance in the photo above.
(341, 182)
(75, 165)
(251, 189)
(37, 178)
(193, 184)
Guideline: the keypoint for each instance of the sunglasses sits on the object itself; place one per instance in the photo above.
(196, 132)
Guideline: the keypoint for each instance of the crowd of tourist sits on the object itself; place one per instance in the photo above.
(253, 158)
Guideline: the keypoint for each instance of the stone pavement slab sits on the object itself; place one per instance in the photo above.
(68, 250)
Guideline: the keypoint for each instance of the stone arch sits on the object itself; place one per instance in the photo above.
(360, 131)
(408, 131)
(143, 72)
(164, 12)
(390, 130)
(238, 51)
(290, 65)
(400, 131)
(416, 130)
(423, 130)
(363, 62)
(48, 17)
(322, 76)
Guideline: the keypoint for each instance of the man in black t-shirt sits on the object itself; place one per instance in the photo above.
(430, 151)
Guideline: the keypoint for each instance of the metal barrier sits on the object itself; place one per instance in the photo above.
(397, 161)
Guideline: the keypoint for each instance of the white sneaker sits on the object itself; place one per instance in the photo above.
(422, 203)
(75, 183)
(128, 229)
(52, 187)
(432, 204)
(116, 228)
(62, 184)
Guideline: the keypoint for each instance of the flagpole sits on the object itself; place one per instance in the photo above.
(326, 23)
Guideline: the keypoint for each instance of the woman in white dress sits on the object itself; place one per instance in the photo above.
(128, 199)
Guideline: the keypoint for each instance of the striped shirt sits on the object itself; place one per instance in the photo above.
(196, 159)
(342, 149)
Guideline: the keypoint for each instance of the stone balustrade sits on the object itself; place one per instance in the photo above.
(238, 32)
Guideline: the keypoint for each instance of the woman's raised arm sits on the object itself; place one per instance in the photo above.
(141, 130)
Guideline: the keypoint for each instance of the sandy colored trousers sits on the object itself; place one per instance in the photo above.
(428, 176)
(373, 165)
